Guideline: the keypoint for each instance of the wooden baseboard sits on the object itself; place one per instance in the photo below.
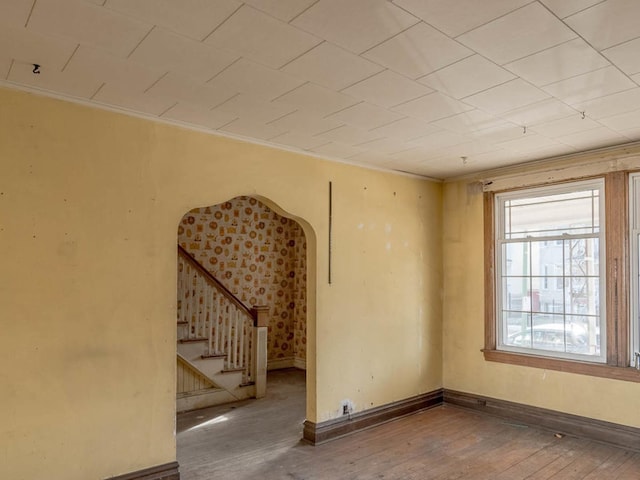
(300, 363)
(317, 433)
(168, 471)
(565, 423)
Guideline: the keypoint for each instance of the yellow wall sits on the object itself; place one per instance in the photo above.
(89, 206)
(463, 332)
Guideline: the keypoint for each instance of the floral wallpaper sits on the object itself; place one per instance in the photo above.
(260, 257)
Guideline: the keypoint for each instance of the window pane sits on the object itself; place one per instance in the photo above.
(516, 259)
(517, 294)
(518, 329)
(552, 215)
(581, 257)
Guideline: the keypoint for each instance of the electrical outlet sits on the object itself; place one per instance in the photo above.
(345, 409)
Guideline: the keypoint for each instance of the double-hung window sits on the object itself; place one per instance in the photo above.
(634, 241)
(550, 271)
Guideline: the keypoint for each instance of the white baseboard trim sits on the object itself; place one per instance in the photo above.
(278, 363)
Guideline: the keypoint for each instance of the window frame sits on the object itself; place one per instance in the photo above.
(616, 277)
(501, 238)
(634, 255)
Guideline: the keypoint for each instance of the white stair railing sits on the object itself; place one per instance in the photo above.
(208, 311)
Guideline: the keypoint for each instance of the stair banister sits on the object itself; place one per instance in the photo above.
(224, 290)
(229, 327)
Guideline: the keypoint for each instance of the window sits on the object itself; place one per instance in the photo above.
(551, 236)
(634, 241)
(561, 265)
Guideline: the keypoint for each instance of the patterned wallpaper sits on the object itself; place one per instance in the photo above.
(260, 257)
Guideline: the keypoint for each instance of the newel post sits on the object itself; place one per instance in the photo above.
(259, 357)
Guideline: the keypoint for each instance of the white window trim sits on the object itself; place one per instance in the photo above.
(500, 199)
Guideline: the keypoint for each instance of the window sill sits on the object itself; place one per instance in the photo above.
(626, 374)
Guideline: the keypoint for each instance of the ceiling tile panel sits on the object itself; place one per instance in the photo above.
(611, 105)
(386, 146)
(133, 100)
(5, 65)
(109, 68)
(271, 42)
(608, 23)
(192, 18)
(466, 150)
(315, 99)
(505, 97)
(387, 89)
(455, 18)
(257, 110)
(197, 115)
(332, 67)
(169, 51)
(594, 138)
(432, 107)
(248, 77)
(15, 12)
(305, 123)
(497, 135)
(591, 85)
(251, 128)
(376, 159)
(539, 112)
(88, 24)
(418, 51)
(493, 159)
(564, 8)
(440, 140)
(469, 121)
(632, 134)
(622, 122)
(356, 25)
(566, 126)
(184, 89)
(349, 135)
(406, 129)
(625, 56)
(338, 150)
(549, 151)
(527, 30)
(53, 80)
(285, 10)
(366, 116)
(28, 47)
(569, 59)
(528, 143)
(407, 160)
(298, 140)
(467, 77)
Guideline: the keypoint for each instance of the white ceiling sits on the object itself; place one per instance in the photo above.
(438, 88)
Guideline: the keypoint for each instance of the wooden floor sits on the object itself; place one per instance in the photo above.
(260, 439)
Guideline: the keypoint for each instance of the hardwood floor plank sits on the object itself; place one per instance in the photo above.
(261, 439)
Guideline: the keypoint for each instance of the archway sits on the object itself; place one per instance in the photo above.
(260, 255)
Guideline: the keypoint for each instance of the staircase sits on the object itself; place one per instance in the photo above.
(221, 352)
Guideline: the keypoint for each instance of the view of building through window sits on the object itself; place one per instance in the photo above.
(549, 271)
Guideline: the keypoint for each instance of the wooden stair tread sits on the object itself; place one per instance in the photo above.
(232, 370)
(214, 355)
(183, 323)
(191, 340)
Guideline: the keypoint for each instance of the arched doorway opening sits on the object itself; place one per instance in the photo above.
(259, 254)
